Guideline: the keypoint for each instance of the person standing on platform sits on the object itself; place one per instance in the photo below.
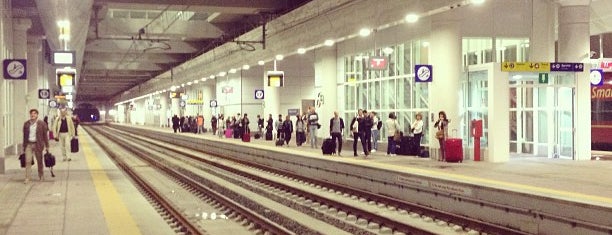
(245, 125)
(287, 129)
(260, 124)
(64, 127)
(392, 129)
(336, 128)
(313, 126)
(200, 123)
(175, 123)
(357, 127)
(442, 133)
(279, 126)
(35, 140)
(213, 124)
(375, 130)
(367, 132)
(417, 129)
(300, 130)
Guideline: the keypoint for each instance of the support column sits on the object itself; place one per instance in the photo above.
(271, 102)
(574, 46)
(163, 112)
(445, 52)
(207, 96)
(542, 42)
(34, 80)
(326, 83)
(176, 109)
(20, 97)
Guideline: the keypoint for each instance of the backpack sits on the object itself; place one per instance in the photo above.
(379, 125)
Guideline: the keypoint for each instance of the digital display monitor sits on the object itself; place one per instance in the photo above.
(63, 58)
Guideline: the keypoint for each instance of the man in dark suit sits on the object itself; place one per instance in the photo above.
(35, 140)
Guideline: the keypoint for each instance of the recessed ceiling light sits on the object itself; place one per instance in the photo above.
(211, 77)
(329, 42)
(365, 32)
(232, 70)
(261, 62)
(411, 18)
(202, 79)
(221, 74)
(246, 67)
(387, 50)
(301, 51)
(478, 1)
(279, 57)
(195, 82)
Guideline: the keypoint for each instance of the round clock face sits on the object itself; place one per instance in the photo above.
(15, 69)
(595, 77)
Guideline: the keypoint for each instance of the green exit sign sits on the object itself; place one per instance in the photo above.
(543, 78)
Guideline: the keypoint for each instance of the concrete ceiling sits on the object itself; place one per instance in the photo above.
(122, 43)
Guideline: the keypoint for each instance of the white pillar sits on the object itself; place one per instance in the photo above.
(542, 42)
(207, 96)
(445, 52)
(574, 46)
(20, 97)
(326, 83)
(163, 112)
(34, 80)
(271, 100)
(498, 149)
(176, 109)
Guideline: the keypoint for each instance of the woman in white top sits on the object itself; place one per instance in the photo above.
(417, 128)
(392, 127)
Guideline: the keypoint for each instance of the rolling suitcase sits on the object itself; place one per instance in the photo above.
(280, 141)
(49, 162)
(329, 146)
(74, 145)
(453, 149)
(268, 135)
(408, 146)
(246, 137)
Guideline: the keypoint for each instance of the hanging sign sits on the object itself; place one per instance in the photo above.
(14, 69)
(423, 73)
(259, 94)
(44, 94)
(596, 77)
(525, 67)
(566, 67)
(377, 63)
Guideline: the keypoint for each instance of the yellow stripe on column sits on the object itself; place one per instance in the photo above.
(118, 218)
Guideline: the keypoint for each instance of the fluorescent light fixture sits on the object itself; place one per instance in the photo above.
(387, 50)
(189, 83)
(261, 62)
(232, 71)
(365, 32)
(279, 57)
(196, 81)
(212, 76)
(183, 85)
(63, 23)
(301, 51)
(63, 58)
(202, 79)
(329, 42)
(478, 1)
(246, 67)
(411, 18)
(221, 74)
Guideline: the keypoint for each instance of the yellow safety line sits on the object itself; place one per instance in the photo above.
(543, 191)
(118, 219)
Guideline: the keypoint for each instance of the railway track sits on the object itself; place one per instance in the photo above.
(353, 211)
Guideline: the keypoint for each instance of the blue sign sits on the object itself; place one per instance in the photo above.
(14, 69)
(423, 73)
(596, 77)
(566, 67)
(259, 94)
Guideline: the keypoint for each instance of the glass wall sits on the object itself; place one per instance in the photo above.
(387, 91)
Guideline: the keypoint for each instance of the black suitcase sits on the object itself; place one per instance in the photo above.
(280, 142)
(257, 136)
(268, 135)
(22, 160)
(408, 146)
(49, 162)
(329, 146)
(74, 145)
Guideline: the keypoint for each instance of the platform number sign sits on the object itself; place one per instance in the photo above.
(182, 103)
(53, 104)
(423, 73)
(44, 93)
(259, 94)
(213, 103)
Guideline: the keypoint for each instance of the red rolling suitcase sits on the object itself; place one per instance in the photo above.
(246, 137)
(453, 149)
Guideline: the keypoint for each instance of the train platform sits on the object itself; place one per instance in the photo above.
(88, 195)
(567, 192)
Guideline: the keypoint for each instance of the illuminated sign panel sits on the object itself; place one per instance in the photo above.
(63, 58)
(276, 78)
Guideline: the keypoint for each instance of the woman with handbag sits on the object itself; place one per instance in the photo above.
(393, 134)
(417, 128)
(442, 133)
